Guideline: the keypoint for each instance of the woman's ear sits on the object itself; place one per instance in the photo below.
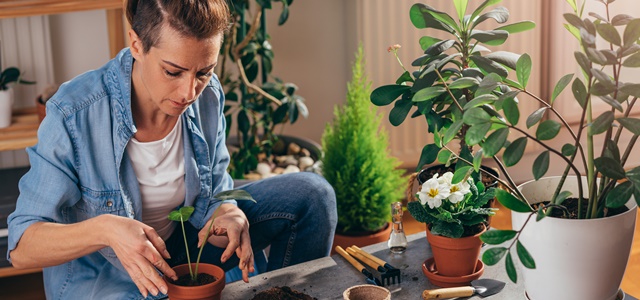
(136, 45)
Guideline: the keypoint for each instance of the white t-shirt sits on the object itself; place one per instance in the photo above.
(159, 167)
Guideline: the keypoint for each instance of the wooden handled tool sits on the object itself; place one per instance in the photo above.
(462, 291)
(389, 274)
(370, 278)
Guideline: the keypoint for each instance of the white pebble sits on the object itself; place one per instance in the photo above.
(291, 169)
(305, 162)
(263, 169)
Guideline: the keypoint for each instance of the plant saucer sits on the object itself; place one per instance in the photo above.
(429, 269)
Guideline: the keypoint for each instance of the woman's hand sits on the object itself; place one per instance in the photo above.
(141, 251)
(230, 231)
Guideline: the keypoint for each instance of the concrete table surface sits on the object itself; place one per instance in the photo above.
(328, 277)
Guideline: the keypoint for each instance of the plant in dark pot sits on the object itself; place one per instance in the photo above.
(453, 76)
(195, 280)
(358, 165)
(256, 102)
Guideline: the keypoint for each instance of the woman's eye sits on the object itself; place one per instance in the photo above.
(171, 74)
(205, 75)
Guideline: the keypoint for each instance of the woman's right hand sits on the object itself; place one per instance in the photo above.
(141, 251)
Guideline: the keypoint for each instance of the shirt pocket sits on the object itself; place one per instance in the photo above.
(95, 203)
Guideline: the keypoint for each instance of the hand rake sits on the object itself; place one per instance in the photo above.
(388, 273)
(370, 278)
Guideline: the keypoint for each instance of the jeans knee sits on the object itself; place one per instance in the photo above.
(320, 198)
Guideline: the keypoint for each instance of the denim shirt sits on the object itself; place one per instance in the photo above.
(80, 169)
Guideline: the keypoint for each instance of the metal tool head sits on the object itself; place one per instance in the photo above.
(486, 287)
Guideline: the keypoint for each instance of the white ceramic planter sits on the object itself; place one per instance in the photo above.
(6, 103)
(575, 259)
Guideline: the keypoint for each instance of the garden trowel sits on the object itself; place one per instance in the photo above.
(483, 287)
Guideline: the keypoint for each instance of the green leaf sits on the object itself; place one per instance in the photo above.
(524, 256)
(481, 8)
(500, 14)
(514, 152)
(511, 268)
(620, 194)
(489, 66)
(460, 174)
(632, 61)
(632, 32)
(476, 116)
(493, 255)
(621, 19)
(452, 230)
(541, 165)
(439, 47)
(511, 202)
(495, 142)
(243, 121)
(174, 216)
(234, 195)
(518, 27)
(613, 102)
(428, 155)
(561, 197)
(428, 93)
(523, 69)
(386, 94)
(427, 41)
(490, 37)
(602, 123)
(400, 111)
(444, 156)
(562, 83)
(464, 83)
(535, 117)
(511, 111)
(477, 160)
(609, 33)
(630, 124)
(405, 77)
(634, 176)
(568, 149)
(182, 214)
(609, 167)
(461, 8)
(583, 61)
(540, 214)
(476, 133)
(547, 130)
(580, 92)
(496, 237)
(631, 89)
(453, 130)
(481, 100)
(574, 20)
(508, 59)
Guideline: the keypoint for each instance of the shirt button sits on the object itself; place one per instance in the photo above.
(109, 203)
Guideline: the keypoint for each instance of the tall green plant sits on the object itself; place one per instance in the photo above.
(356, 160)
(255, 104)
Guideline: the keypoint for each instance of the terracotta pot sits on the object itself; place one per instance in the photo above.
(455, 257)
(366, 292)
(575, 259)
(345, 241)
(204, 292)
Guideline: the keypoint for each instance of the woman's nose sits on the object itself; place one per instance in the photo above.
(189, 91)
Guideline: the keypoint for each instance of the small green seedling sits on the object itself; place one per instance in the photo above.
(181, 215)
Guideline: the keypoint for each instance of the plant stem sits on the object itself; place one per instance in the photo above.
(446, 86)
(205, 239)
(186, 245)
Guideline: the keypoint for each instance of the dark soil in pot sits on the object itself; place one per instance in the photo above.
(201, 279)
(571, 204)
(282, 293)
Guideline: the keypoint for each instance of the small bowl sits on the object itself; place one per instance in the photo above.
(429, 269)
(366, 292)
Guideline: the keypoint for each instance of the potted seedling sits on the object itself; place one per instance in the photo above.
(195, 280)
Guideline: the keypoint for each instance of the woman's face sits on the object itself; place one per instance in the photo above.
(173, 73)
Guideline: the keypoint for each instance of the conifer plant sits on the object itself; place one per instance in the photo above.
(357, 162)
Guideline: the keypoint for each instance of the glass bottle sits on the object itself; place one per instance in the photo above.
(397, 240)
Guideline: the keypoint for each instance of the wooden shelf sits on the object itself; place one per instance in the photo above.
(22, 132)
(11, 271)
(23, 8)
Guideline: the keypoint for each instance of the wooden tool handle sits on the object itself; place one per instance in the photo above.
(462, 291)
(378, 261)
(350, 259)
(363, 258)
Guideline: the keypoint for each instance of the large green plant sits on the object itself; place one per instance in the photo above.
(256, 105)
(493, 126)
(356, 160)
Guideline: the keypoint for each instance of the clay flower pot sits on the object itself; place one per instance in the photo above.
(366, 292)
(345, 241)
(208, 291)
(455, 257)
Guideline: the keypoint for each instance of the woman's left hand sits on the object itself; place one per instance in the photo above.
(231, 225)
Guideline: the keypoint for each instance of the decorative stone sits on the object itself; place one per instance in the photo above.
(293, 149)
(291, 169)
(278, 170)
(263, 169)
(284, 161)
(253, 176)
(305, 162)
(305, 152)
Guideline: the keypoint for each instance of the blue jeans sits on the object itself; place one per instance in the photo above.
(295, 214)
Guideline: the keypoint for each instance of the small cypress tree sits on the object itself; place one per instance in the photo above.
(357, 162)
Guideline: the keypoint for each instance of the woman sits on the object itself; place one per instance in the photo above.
(124, 145)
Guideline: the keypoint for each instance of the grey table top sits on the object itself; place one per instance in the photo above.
(328, 277)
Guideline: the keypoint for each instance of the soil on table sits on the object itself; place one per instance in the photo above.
(282, 293)
(202, 279)
(571, 204)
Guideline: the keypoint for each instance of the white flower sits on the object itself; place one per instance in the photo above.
(458, 191)
(433, 192)
(445, 178)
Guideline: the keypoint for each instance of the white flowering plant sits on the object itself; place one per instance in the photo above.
(452, 204)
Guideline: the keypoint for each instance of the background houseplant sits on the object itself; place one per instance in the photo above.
(357, 163)
(493, 126)
(8, 77)
(255, 104)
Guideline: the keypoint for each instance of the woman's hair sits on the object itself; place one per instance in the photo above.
(199, 19)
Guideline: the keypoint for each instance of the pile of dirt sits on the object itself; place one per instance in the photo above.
(282, 293)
